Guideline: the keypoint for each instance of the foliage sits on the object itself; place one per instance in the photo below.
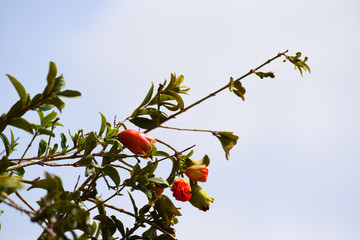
(81, 213)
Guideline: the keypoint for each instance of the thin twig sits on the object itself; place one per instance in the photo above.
(164, 143)
(52, 129)
(24, 201)
(187, 129)
(8, 201)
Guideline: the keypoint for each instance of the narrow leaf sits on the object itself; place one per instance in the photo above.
(19, 88)
(90, 143)
(48, 118)
(85, 160)
(144, 122)
(69, 93)
(113, 174)
(57, 102)
(148, 96)
(50, 78)
(63, 140)
(178, 98)
(6, 144)
(133, 203)
(22, 124)
(103, 124)
(59, 84)
(265, 75)
(159, 181)
(42, 147)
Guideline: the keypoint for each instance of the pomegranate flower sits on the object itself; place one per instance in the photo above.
(197, 173)
(137, 142)
(181, 189)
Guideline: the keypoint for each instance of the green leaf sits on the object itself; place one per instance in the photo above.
(231, 83)
(69, 93)
(148, 96)
(48, 132)
(36, 99)
(57, 102)
(86, 160)
(10, 182)
(54, 149)
(45, 107)
(50, 183)
(228, 140)
(50, 78)
(177, 97)
(205, 160)
(63, 140)
(19, 88)
(119, 225)
(59, 84)
(22, 124)
(41, 115)
(103, 124)
(134, 204)
(113, 174)
(265, 75)
(20, 171)
(159, 181)
(144, 122)
(16, 109)
(42, 147)
(6, 144)
(90, 143)
(4, 164)
(48, 118)
(239, 90)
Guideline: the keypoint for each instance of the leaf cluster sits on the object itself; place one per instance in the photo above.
(298, 63)
(150, 113)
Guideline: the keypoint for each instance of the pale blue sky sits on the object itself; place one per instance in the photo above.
(295, 171)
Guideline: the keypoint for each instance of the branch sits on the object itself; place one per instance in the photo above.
(219, 90)
(138, 218)
(8, 201)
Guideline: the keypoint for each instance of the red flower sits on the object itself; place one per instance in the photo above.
(197, 173)
(137, 142)
(181, 189)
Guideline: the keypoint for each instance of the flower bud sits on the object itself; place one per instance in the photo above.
(137, 142)
(200, 198)
(166, 209)
(181, 189)
(197, 173)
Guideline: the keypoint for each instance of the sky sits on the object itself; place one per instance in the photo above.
(294, 172)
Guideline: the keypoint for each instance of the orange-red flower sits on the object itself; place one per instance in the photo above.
(181, 189)
(137, 142)
(197, 172)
